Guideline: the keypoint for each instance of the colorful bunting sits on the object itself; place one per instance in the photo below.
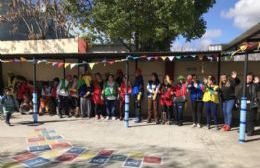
(171, 58)
(163, 58)
(60, 65)
(91, 65)
(66, 65)
(23, 59)
(73, 65)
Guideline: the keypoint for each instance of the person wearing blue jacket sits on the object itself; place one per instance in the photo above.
(195, 88)
(137, 92)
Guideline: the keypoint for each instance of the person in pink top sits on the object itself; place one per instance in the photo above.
(179, 99)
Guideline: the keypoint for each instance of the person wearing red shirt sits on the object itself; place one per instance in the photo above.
(122, 92)
(179, 99)
(97, 96)
(166, 95)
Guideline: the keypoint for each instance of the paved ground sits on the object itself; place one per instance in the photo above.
(109, 142)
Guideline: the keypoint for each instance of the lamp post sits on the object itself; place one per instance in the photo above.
(35, 100)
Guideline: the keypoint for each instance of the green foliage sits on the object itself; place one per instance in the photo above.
(142, 25)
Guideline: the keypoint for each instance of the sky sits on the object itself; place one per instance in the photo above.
(225, 21)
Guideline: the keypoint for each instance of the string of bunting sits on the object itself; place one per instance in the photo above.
(59, 64)
(200, 57)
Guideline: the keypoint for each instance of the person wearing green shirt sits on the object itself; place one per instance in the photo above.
(110, 94)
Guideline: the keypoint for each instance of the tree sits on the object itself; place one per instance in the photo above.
(42, 18)
(142, 25)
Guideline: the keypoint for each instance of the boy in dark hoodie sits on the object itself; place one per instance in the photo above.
(10, 105)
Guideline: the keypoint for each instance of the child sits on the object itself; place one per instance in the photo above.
(45, 96)
(153, 87)
(85, 93)
(137, 92)
(10, 105)
(211, 100)
(63, 96)
(74, 96)
(97, 96)
(110, 93)
(53, 103)
(166, 102)
(196, 89)
(26, 105)
(122, 93)
(179, 99)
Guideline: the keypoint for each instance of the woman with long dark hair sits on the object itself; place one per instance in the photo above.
(153, 87)
(227, 89)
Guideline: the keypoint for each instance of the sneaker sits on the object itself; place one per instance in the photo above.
(208, 126)
(97, 117)
(107, 118)
(194, 125)
(216, 128)
(113, 118)
(199, 125)
(228, 128)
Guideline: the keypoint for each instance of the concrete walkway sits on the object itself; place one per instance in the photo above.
(177, 147)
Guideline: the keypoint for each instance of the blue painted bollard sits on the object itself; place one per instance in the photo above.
(126, 119)
(35, 108)
(242, 127)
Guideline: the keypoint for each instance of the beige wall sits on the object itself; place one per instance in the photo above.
(69, 45)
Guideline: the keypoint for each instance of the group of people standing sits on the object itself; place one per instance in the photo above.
(90, 96)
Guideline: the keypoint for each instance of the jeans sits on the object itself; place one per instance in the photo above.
(85, 107)
(110, 108)
(211, 110)
(227, 107)
(8, 117)
(197, 107)
(178, 109)
(138, 110)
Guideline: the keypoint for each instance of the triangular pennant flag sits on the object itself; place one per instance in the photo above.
(163, 58)
(171, 58)
(41, 61)
(111, 62)
(91, 65)
(54, 63)
(23, 59)
(61, 64)
(149, 58)
(6, 61)
(178, 57)
(66, 65)
(16, 60)
(73, 65)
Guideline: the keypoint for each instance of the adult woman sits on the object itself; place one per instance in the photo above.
(74, 96)
(137, 92)
(227, 90)
(211, 100)
(153, 87)
(97, 96)
(196, 88)
(110, 93)
(122, 92)
(166, 92)
(85, 90)
(179, 99)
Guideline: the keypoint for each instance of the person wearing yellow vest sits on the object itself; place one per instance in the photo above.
(211, 100)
